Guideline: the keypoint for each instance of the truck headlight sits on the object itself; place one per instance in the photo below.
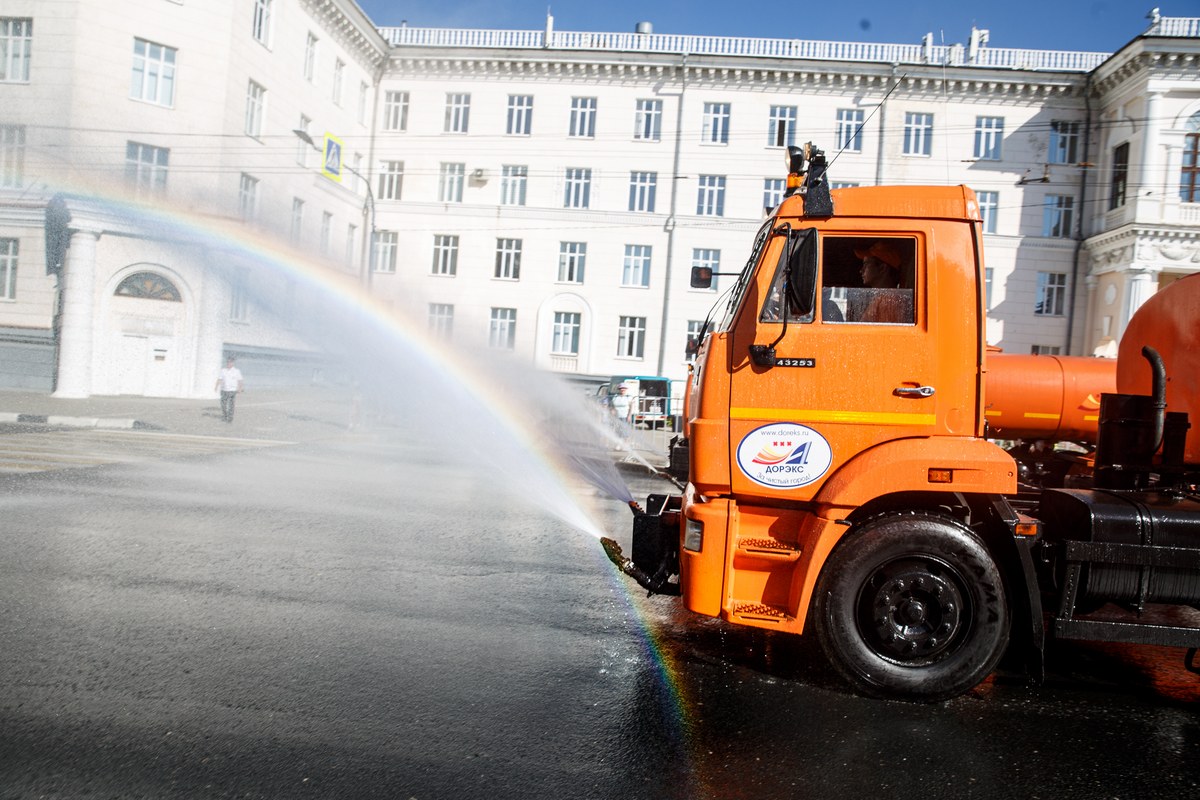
(693, 536)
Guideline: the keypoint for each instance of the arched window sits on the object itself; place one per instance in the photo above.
(148, 285)
(1189, 177)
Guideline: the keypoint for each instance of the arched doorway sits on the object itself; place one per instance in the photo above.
(146, 320)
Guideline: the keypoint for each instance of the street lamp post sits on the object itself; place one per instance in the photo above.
(368, 208)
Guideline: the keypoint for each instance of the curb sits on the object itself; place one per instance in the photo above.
(74, 422)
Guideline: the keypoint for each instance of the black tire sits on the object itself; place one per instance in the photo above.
(911, 606)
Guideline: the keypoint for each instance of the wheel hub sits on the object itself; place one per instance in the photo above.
(913, 610)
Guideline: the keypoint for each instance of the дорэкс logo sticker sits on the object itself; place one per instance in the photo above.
(784, 455)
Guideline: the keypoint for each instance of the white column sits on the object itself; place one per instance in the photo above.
(1151, 186)
(1140, 286)
(78, 313)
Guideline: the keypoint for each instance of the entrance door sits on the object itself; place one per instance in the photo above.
(133, 359)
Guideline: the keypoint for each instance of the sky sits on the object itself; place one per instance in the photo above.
(1086, 25)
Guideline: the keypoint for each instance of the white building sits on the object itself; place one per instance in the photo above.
(541, 192)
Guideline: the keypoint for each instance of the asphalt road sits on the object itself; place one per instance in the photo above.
(363, 617)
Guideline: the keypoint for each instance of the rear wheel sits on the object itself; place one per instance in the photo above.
(912, 606)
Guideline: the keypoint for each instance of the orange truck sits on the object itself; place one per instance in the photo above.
(844, 473)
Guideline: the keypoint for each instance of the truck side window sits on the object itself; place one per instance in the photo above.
(868, 280)
(795, 276)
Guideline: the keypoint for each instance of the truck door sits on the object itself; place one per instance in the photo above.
(878, 345)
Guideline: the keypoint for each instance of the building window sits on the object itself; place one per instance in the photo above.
(261, 24)
(303, 148)
(450, 182)
(989, 205)
(631, 337)
(566, 334)
(583, 117)
(918, 134)
(710, 200)
(153, 78)
(578, 188)
(395, 111)
(716, 123)
(781, 132)
(502, 329)
(987, 288)
(1045, 350)
(1120, 176)
(1051, 294)
(636, 269)
(445, 254)
(1058, 215)
(772, 193)
(508, 259)
(16, 43)
(297, 230)
(848, 134)
(441, 320)
(572, 257)
(339, 73)
(12, 155)
(520, 114)
(326, 232)
(1189, 175)
(387, 251)
(458, 112)
(146, 168)
(247, 197)
(642, 188)
(391, 180)
(989, 133)
(148, 286)
(239, 298)
(513, 179)
(310, 58)
(256, 100)
(8, 268)
(351, 238)
(1064, 142)
(710, 258)
(647, 121)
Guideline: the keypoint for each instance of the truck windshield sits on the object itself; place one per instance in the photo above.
(738, 292)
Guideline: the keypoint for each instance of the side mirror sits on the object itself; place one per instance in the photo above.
(702, 277)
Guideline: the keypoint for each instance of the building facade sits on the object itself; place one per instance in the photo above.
(543, 194)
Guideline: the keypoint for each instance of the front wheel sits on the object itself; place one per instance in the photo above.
(911, 606)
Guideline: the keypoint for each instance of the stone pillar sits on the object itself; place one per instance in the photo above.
(78, 316)
(1140, 286)
(1152, 184)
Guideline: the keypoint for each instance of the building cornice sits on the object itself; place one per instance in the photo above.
(1147, 247)
(357, 33)
(1158, 64)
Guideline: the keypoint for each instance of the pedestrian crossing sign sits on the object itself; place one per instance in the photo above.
(332, 167)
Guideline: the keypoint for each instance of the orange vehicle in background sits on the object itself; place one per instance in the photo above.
(841, 478)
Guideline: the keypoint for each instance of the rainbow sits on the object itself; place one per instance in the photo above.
(541, 462)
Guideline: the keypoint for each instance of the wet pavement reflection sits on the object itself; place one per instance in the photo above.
(360, 618)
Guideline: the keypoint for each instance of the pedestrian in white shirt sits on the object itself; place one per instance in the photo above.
(229, 381)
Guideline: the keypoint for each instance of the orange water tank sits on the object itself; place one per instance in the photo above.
(1170, 323)
(1045, 397)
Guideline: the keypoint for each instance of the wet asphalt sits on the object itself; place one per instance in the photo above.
(358, 614)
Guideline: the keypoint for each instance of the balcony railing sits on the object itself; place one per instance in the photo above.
(949, 55)
(952, 55)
